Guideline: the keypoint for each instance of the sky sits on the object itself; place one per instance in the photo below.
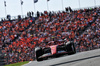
(14, 7)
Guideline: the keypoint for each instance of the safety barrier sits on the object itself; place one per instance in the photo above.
(2, 59)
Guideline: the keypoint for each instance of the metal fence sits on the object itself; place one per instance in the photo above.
(35, 15)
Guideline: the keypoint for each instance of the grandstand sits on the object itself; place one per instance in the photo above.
(19, 37)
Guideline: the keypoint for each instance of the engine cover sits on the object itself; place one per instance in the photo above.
(53, 49)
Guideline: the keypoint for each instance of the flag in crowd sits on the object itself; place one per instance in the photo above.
(21, 2)
(35, 1)
(5, 3)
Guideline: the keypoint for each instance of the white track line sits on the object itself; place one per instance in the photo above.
(27, 63)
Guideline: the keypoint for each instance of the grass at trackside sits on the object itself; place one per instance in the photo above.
(18, 64)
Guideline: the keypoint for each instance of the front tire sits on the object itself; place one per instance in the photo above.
(39, 53)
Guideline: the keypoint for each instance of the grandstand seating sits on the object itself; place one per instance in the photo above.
(20, 37)
(90, 38)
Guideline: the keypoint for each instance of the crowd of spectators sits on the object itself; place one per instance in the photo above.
(58, 26)
(47, 28)
(11, 30)
(90, 39)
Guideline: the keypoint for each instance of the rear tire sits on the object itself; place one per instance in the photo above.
(70, 48)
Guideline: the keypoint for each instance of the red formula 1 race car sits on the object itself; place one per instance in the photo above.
(55, 50)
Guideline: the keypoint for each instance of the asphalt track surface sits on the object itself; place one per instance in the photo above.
(87, 58)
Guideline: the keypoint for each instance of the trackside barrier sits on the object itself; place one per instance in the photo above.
(16, 57)
(2, 59)
(80, 49)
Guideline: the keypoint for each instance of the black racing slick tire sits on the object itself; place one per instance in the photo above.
(70, 48)
(38, 52)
